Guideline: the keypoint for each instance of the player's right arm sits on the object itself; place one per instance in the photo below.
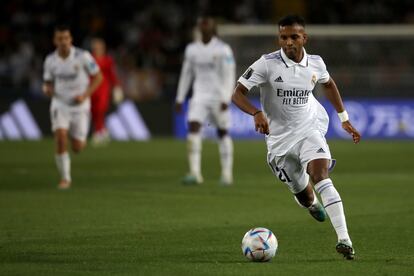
(186, 76)
(47, 86)
(255, 75)
(241, 100)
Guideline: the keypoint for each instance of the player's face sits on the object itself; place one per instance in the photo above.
(63, 40)
(291, 39)
(98, 47)
(206, 26)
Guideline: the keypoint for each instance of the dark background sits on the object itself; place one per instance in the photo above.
(147, 40)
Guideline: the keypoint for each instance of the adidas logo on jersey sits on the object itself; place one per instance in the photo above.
(279, 79)
(320, 150)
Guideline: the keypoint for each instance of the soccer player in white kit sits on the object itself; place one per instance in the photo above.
(295, 123)
(210, 64)
(67, 74)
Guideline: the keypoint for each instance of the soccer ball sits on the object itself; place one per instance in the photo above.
(259, 244)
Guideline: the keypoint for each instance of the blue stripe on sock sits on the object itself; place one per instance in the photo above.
(324, 185)
(332, 203)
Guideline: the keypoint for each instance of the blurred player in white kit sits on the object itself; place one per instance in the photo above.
(70, 76)
(209, 63)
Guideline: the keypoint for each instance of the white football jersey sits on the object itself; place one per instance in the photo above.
(212, 68)
(286, 97)
(70, 76)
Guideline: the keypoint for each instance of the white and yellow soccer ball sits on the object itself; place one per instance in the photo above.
(259, 244)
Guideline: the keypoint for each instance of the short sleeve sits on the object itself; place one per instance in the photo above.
(255, 75)
(90, 64)
(228, 55)
(324, 74)
(188, 53)
(47, 70)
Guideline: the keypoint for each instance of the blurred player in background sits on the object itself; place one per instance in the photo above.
(102, 96)
(209, 63)
(70, 77)
(295, 123)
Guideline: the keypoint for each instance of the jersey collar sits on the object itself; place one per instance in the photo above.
(289, 63)
(71, 54)
(211, 42)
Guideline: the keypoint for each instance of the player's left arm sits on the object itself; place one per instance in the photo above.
(93, 85)
(95, 74)
(228, 76)
(96, 80)
(117, 92)
(333, 95)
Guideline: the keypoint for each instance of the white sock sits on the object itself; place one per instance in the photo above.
(63, 165)
(194, 146)
(333, 206)
(226, 155)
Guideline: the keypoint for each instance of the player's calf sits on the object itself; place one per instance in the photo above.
(78, 146)
(333, 206)
(307, 199)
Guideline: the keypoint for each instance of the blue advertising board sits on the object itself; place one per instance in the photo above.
(374, 118)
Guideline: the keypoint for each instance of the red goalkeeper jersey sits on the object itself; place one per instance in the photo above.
(107, 66)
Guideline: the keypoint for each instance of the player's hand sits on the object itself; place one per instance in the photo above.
(347, 126)
(47, 90)
(80, 98)
(178, 107)
(224, 106)
(261, 124)
(117, 95)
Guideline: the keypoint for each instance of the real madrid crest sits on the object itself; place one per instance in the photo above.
(313, 81)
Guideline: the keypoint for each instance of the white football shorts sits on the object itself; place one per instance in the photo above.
(203, 112)
(74, 119)
(291, 168)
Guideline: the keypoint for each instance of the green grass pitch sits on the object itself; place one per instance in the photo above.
(128, 214)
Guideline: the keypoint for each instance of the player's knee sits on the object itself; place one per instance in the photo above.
(317, 176)
(194, 127)
(318, 170)
(78, 146)
(221, 133)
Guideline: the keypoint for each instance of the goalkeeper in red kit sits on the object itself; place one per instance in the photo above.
(101, 97)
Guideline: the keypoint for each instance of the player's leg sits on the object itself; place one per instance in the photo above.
(79, 128)
(289, 170)
(99, 107)
(194, 147)
(318, 172)
(62, 158)
(77, 145)
(226, 156)
(317, 151)
(308, 200)
(221, 118)
(60, 119)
